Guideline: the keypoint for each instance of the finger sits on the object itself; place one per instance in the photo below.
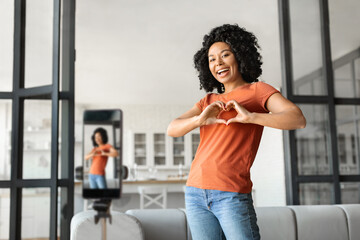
(229, 105)
(220, 104)
(231, 120)
(221, 121)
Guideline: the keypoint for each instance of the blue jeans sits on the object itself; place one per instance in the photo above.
(214, 215)
(97, 181)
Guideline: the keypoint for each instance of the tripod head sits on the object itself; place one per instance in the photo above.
(102, 206)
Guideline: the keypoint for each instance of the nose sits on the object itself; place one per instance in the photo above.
(219, 62)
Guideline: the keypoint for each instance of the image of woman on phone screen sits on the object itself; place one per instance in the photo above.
(100, 153)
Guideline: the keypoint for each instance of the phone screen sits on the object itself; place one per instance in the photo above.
(102, 154)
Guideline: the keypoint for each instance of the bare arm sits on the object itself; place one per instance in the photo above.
(195, 118)
(283, 114)
(112, 152)
(90, 155)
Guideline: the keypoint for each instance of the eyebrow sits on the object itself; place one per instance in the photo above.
(220, 52)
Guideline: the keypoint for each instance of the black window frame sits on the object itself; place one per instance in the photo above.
(64, 41)
(293, 179)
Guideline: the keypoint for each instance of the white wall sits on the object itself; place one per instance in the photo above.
(141, 52)
(268, 170)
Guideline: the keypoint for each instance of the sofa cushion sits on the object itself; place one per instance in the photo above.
(160, 224)
(322, 222)
(352, 212)
(276, 223)
(83, 227)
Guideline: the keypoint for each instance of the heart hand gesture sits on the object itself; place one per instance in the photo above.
(243, 115)
(211, 113)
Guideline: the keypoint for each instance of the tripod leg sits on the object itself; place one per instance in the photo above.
(103, 228)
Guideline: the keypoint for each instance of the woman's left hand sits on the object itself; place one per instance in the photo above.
(242, 116)
(283, 114)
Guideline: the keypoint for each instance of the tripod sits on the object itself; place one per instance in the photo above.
(102, 207)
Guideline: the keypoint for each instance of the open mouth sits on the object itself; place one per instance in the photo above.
(222, 71)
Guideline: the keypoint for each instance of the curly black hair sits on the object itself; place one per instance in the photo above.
(243, 44)
(103, 134)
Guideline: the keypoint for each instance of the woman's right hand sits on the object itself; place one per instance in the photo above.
(211, 113)
(194, 118)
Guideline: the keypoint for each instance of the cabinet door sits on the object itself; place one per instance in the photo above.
(178, 151)
(140, 152)
(159, 149)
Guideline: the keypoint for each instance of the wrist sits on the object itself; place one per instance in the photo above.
(196, 121)
(252, 118)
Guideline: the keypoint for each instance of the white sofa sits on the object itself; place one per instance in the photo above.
(322, 222)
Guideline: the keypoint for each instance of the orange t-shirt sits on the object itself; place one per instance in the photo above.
(98, 161)
(226, 153)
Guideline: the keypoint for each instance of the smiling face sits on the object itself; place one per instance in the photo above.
(98, 139)
(223, 65)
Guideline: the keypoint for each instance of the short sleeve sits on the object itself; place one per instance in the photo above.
(107, 147)
(263, 92)
(201, 104)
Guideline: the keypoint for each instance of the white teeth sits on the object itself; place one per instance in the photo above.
(222, 70)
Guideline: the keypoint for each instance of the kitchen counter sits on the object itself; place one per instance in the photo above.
(172, 185)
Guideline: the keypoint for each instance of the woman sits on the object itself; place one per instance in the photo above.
(99, 154)
(218, 193)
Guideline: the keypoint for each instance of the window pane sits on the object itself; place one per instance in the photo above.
(312, 141)
(345, 84)
(37, 139)
(35, 213)
(348, 130)
(6, 46)
(357, 76)
(345, 46)
(38, 43)
(316, 193)
(306, 48)
(62, 210)
(350, 192)
(5, 139)
(4, 213)
(64, 143)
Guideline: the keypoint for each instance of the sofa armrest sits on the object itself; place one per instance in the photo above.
(123, 227)
(352, 212)
(161, 224)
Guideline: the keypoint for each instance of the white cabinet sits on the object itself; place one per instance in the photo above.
(140, 148)
(178, 151)
(160, 150)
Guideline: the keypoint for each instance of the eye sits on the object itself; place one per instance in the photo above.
(225, 55)
(211, 59)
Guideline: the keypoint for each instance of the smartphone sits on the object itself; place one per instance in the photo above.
(102, 154)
